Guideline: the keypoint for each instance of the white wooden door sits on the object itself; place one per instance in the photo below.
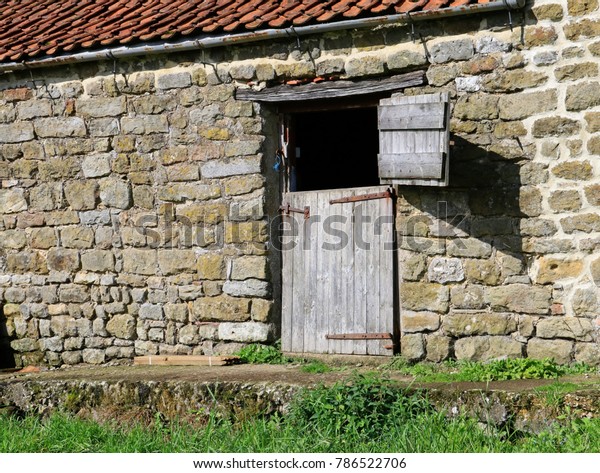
(338, 272)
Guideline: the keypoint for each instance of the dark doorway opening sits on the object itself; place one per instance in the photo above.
(335, 149)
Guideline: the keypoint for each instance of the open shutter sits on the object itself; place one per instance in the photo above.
(414, 137)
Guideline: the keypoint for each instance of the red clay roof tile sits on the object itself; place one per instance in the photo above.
(34, 28)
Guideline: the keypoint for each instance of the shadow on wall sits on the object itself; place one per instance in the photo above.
(7, 358)
(486, 207)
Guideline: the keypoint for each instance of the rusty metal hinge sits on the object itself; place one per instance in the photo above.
(286, 209)
(357, 198)
(359, 336)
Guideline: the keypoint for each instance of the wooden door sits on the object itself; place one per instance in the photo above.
(338, 272)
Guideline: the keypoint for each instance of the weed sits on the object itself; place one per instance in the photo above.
(315, 367)
(263, 354)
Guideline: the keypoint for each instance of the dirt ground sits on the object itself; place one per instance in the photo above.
(272, 374)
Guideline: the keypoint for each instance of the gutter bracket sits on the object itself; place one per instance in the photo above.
(412, 26)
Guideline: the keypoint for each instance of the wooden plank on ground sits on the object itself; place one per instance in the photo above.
(186, 360)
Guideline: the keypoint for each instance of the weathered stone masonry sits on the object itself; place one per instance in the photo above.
(136, 204)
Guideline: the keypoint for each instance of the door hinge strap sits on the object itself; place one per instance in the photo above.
(357, 198)
(286, 209)
(359, 336)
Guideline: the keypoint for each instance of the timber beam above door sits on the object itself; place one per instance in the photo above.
(332, 89)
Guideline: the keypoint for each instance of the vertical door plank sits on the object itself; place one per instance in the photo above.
(298, 278)
(310, 254)
(360, 275)
(322, 277)
(386, 274)
(287, 272)
(373, 273)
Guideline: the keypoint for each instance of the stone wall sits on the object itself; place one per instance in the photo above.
(135, 204)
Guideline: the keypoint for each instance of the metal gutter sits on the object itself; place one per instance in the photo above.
(254, 36)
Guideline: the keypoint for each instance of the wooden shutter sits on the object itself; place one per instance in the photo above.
(414, 133)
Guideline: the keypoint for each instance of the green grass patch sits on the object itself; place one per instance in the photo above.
(497, 370)
(316, 367)
(256, 353)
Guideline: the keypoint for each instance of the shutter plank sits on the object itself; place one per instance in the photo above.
(412, 116)
(411, 166)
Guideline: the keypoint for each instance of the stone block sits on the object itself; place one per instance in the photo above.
(174, 80)
(46, 196)
(151, 312)
(520, 298)
(551, 270)
(586, 223)
(250, 267)
(122, 326)
(476, 107)
(587, 353)
(221, 308)
(34, 109)
(595, 271)
(261, 310)
(145, 124)
(457, 50)
(247, 332)
(73, 293)
(176, 312)
(60, 259)
(18, 132)
(142, 262)
(574, 328)
(183, 172)
(424, 297)
(552, 12)
(583, 96)
(484, 348)
(437, 348)
(402, 60)
(247, 288)
(513, 81)
(192, 292)
(96, 165)
(586, 301)
(77, 237)
(103, 127)
(558, 350)
(519, 106)
(581, 7)
(13, 239)
(412, 347)
(207, 213)
(43, 238)
(555, 126)
(101, 107)
(577, 71)
(419, 321)
(81, 195)
(467, 297)
(480, 323)
(593, 121)
(233, 167)
(574, 170)
(98, 261)
(469, 248)
(444, 270)
(93, 356)
(176, 261)
(12, 201)
(60, 127)
(246, 232)
(565, 201)
(115, 193)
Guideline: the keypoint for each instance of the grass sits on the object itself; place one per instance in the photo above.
(367, 414)
(497, 370)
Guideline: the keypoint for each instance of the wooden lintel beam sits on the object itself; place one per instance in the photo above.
(332, 89)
